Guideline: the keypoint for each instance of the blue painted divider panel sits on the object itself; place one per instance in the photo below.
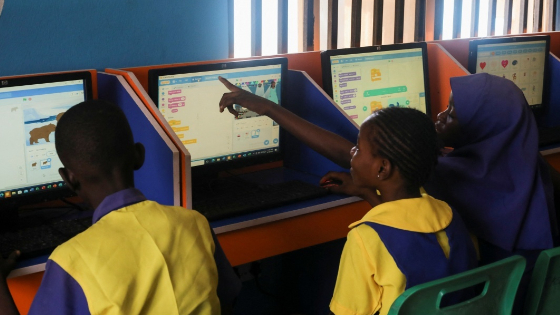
(155, 178)
(306, 100)
(550, 116)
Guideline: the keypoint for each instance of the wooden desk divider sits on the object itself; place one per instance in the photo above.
(441, 67)
(307, 100)
(184, 155)
(158, 178)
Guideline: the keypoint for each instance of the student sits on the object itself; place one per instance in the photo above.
(138, 257)
(407, 238)
(495, 176)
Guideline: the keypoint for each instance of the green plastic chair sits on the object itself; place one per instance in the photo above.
(543, 295)
(500, 280)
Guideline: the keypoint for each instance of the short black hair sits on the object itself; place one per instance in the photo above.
(408, 139)
(94, 134)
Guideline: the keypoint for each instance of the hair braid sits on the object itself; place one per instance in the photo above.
(408, 139)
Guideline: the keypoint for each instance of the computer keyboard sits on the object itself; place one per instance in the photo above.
(234, 202)
(548, 136)
(41, 239)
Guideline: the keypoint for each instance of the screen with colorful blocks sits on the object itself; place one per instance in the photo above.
(365, 82)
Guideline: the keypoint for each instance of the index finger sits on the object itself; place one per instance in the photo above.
(230, 86)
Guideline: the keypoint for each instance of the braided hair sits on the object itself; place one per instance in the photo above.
(408, 139)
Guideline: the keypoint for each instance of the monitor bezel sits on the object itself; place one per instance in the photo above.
(207, 169)
(18, 201)
(326, 64)
(473, 50)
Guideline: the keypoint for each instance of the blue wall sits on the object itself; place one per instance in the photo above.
(45, 36)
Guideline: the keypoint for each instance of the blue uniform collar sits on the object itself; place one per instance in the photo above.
(116, 201)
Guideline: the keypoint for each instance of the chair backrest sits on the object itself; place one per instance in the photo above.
(500, 281)
(543, 295)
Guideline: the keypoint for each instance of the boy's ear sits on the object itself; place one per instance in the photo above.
(139, 155)
(70, 179)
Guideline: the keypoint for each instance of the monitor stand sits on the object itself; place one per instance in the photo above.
(212, 185)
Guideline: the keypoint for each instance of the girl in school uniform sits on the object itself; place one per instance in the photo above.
(407, 238)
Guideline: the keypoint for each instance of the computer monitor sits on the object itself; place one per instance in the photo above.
(522, 59)
(30, 108)
(188, 98)
(362, 80)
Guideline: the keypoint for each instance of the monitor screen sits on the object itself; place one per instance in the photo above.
(362, 82)
(29, 111)
(517, 59)
(188, 98)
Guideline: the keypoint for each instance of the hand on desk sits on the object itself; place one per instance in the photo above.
(342, 183)
(244, 98)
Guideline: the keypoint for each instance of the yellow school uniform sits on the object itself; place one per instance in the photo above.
(145, 258)
(369, 279)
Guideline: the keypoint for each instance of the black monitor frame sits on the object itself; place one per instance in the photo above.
(327, 54)
(15, 202)
(473, 52)
(213, 169)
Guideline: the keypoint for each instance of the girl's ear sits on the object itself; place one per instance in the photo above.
(385, 170)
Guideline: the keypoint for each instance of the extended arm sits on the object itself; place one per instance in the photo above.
(326, 143)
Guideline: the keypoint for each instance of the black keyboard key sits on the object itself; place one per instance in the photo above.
(42, 239)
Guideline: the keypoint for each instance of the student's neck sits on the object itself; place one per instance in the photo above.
(100, 189)
(396, 193)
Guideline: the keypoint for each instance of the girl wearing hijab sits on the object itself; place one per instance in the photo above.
(495, 177)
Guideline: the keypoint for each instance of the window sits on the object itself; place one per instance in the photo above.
(268, 27)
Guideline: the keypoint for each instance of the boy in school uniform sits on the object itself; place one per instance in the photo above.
(138, 257)
(407, 238)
